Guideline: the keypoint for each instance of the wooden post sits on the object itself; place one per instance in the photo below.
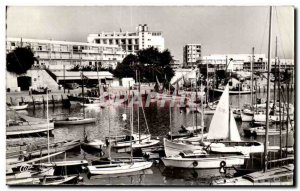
(11, 101)
(43, 101)
(53, 103)
(62, 100)
(33, 102)
(22, 99)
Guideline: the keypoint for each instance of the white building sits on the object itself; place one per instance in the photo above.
(242, 62)
(56, 54)
(130, 42)
(191, 54)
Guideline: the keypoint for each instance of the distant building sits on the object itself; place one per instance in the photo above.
(175, 64)
(56, 54)
(238, 62)
(191, 54)
(130, 42)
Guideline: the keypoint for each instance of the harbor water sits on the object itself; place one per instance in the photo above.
(110, 122)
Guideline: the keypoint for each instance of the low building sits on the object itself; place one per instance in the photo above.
(55, 55)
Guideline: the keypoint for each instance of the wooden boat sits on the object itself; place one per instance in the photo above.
(118, 168)
(276, 176)
(17, 107)
(126, 142)
(74, 121)
(57, 180)
(28, 129)
(64, 163)
(199, 159)
(247, 115)
(190, 131)
(261, 131)
(145, 143)
(26, 125)
(94, 144)
(28, 172)
(42, 150)
(176, 146)
(23, 181)
(232, 92)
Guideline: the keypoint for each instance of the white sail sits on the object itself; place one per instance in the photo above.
(218, 128)
(234, 134)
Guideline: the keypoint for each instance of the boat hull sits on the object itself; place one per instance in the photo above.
(174, 148)
(75, 122)
(246, 117)
(203, 163)
(118, 168)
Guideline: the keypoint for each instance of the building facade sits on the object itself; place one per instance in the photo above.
(56, 55)
(191, 54)
(130, 42)
(239, 62)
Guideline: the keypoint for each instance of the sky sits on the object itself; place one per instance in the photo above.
(219, 29)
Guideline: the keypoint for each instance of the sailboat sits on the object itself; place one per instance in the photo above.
(120, 167)
(138, 140)
(222, 127)
(283, 175)
(46, 171)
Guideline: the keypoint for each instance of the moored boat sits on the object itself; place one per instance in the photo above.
(74, 121)
(199, 159)
(276, 176)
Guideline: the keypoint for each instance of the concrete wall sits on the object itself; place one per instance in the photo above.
(39, 78)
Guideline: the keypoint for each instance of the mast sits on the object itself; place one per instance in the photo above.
(274, 92)
(279, 99)
(202, 121)
(109, 124)
(138, 112)
(287, 115)
(170, 113)
(64, 78)
(98, 80)
(48, 126)
(207, 91)
(239, 95)
(268, 95)
(252, 59)
(196, 105)
(131, 130)
(82, 92)
(256, 94)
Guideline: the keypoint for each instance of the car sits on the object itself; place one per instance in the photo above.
(71, 86)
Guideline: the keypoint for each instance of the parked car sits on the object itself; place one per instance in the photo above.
(71, 86)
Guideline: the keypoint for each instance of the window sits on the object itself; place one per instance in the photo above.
(110, 41)
(40, 48)
(97, 41)
(13, 44)
(129, 41)
(90, 63)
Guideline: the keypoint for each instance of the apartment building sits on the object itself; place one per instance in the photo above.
(130, 42)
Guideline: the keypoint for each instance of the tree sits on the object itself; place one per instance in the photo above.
(150, 63)
(20, 60)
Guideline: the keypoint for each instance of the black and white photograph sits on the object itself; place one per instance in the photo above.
(142, 95)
